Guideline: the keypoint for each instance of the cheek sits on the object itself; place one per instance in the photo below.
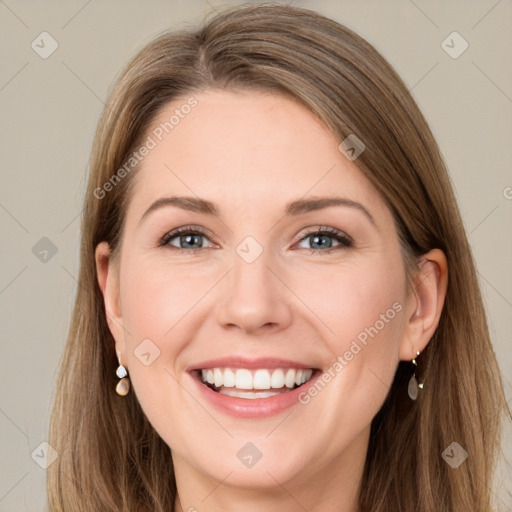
(157, 297)
(359, 302)
(353, 387)
(160, 303)
(155, 304)
(361, 310)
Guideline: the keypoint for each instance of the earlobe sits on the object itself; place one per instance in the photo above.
(426, 303)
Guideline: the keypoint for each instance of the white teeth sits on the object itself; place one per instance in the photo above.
(229, 379)
(277, 380)
(289, 380)
(261, 379)
(217, 376)
(242, 378)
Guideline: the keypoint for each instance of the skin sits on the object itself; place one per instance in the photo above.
(251, 153)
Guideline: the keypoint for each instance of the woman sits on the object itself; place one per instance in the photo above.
(278, 307)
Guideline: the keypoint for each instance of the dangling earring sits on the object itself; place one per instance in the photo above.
(123, 386)
(412, 388)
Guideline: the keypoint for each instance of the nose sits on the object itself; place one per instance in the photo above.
(255, 298)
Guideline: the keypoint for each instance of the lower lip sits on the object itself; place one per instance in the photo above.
(254, 407)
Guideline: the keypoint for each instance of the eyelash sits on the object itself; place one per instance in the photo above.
(344, 240)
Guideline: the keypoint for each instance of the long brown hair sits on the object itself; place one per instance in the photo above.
(110, 457)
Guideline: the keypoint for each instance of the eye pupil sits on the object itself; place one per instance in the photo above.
(314, 240)
(188, 239)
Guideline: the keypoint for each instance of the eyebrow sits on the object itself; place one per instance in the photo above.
(297, 207)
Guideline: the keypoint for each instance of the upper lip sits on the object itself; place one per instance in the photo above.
(245, 362)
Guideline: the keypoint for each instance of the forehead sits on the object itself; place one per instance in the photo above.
(244, 149)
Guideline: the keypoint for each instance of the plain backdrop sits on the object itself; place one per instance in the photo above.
(50, 108)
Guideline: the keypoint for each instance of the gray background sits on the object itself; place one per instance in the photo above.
(50, 108)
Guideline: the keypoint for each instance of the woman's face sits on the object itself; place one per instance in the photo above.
(279, 286)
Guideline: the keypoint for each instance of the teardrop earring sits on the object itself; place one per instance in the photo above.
(412, 388)
(123, 386)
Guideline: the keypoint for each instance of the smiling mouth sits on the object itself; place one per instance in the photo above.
(253, 384)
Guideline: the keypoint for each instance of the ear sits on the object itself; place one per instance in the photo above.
(108, 279)
(425, 303)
